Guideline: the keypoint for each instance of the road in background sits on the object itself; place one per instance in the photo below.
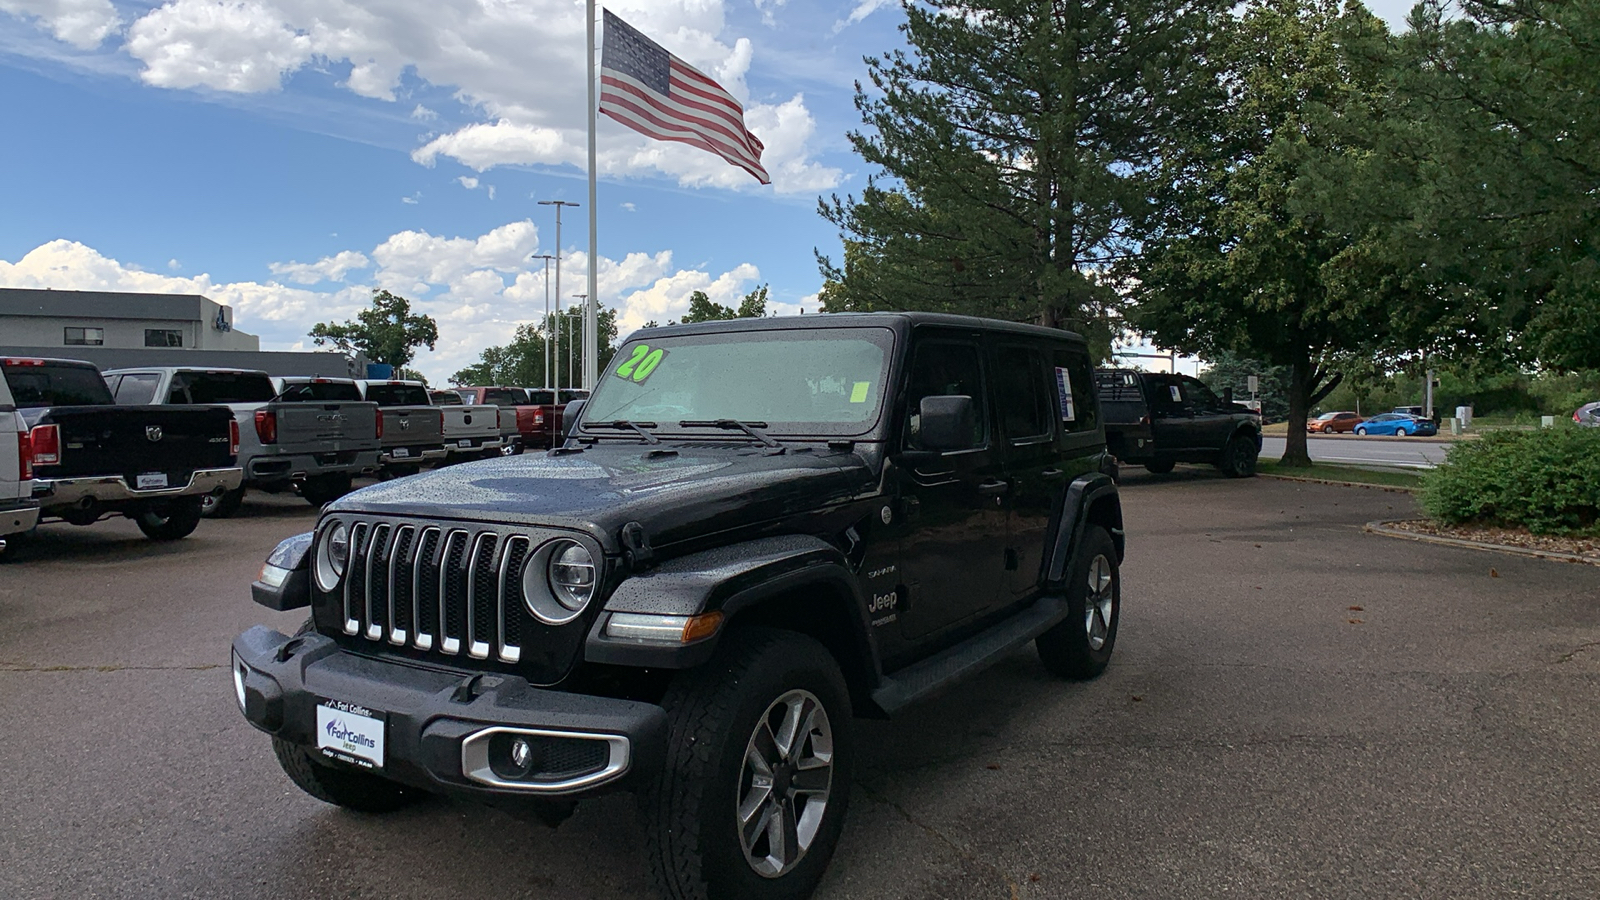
(1399, 453)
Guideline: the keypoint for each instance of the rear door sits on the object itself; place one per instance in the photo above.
(953, 531)
(1024, 403)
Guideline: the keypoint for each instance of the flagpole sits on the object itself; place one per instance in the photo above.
(591, 348)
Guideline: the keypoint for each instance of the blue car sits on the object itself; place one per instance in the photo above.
(1397, 424)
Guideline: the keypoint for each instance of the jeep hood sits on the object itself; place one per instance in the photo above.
(677, 492)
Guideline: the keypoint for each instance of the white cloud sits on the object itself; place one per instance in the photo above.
(174, 265)
(468, 182)
(630, 207)
(479, 289)
(424, 114)
(484, 146)
(412, 200)
(862, 9)
(84, 24)
(329, 268)
(491, 192)
(243, 47)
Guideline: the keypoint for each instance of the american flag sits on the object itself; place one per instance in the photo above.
(660, 96)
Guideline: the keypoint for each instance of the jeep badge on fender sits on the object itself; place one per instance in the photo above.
(752, 533)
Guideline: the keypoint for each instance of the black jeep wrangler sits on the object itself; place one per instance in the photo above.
(754, 532)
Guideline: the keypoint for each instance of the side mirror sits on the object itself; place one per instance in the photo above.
(1227, 396)
(948, 423)
(570, 415)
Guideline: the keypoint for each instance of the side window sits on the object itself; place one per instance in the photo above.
(1199, 395)
(943, 368)
(137, 390)
(179, 392)
(1078, 408)
(1020, 400)
(1166, 394)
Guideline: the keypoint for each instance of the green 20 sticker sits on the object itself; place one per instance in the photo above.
(641, 363)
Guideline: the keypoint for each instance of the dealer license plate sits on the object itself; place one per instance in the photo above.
(151, 481)
(464, 442)
(351, 733)
(402, 452)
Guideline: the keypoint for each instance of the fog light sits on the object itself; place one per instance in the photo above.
(512, 757)
(521, 753)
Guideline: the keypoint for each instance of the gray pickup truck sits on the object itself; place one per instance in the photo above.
(310, 445)
(470, 432)
(413, 431)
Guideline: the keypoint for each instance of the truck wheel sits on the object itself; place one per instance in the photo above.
(1079, 647)
(325, 489)
(221, 506)
(1159, 466)
(752, 799)
(348, 788)
(1238, 457)
(169, 520)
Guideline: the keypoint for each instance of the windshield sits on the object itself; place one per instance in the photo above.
(804, 381)
(398, 394)
(56, 384)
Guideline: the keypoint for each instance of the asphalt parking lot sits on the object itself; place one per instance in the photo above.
(1254, 737)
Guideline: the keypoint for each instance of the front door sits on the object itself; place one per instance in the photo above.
(953, 533)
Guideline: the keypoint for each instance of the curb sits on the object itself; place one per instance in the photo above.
(1359, 484)
(1384, 529)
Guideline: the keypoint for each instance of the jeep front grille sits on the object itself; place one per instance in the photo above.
(451, 589)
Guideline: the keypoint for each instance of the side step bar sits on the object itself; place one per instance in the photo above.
(932, 675)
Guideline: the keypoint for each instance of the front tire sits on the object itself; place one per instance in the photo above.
(169, 520)
(753, 796)
(1361, 431)
(1239, 457)
(349, 788)
(1327, 429)
(1079, 647)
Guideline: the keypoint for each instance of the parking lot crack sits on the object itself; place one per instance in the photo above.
(1571, 654)
(15, 667)
(1014, 889)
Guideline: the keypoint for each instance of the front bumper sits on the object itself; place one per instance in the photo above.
(440, 724)
(108, 489)
(412, 454)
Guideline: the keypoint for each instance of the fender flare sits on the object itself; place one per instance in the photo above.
(729, 580)
(1082, 494)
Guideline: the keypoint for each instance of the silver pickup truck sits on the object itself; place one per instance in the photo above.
(413, 430)
(310, 445)
(470, 432)
(19, 512)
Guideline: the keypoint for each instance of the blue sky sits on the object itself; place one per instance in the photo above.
(287, 156)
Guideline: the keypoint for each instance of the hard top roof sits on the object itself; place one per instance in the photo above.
(899, 321)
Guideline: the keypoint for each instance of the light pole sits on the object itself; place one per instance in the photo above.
(558, 204)
(545, 323)
(580, 298)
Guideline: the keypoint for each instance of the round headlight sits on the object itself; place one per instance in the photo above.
(572, 576)
(333, 555)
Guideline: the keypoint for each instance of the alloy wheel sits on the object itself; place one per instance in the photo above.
(784, 783)
(1097, 605)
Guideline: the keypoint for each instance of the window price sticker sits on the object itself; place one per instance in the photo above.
(1064, 391)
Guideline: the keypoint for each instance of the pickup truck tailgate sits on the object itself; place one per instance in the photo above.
(323, 427)
(138, 440)
(407, 425)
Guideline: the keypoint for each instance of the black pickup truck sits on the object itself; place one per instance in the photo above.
(92, 458)
(1155, 419)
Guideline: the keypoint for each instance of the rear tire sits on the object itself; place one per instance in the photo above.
(1401, 432)
(221, 506)
(325, 489)
(1361, 431)
(1239, 457)
(1159, 466)
(169, 520)
(1079, 647)
(726, 727)
(349, 788)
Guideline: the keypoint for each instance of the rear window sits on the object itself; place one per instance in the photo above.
(321, 392)
(220, 387)
(444, 398)
(138, 388)
(543, 398)
(398, 394)
(57, 385)
(504, 397)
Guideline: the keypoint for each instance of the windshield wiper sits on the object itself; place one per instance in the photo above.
(751, 428)
(634, 426)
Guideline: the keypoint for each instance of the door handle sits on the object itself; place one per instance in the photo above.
(993, 488)
(1051, 473)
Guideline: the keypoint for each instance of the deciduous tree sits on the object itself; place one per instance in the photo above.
(386, 332)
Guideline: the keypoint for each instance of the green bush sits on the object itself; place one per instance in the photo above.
(1547, 481)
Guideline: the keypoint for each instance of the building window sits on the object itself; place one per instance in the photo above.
(163, 337)
(83, 337)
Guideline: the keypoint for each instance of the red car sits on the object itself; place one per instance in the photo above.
(1335, 422)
